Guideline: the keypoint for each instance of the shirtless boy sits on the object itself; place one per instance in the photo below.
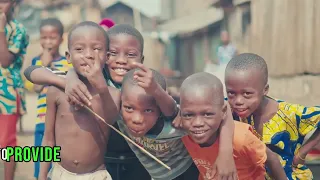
(80, 134)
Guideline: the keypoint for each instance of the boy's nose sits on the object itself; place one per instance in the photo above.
(89, 54)
(122, 60)
(137, 119)
(239, 101)
(197, 122)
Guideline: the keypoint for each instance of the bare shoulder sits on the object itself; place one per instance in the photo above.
(115, 94)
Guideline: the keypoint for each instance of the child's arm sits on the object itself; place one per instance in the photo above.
(273, 163)
(110, 97)
(43, 76)
(300, 156)
(49, 134)
(146, 80)
(226, 148)
(309, 120)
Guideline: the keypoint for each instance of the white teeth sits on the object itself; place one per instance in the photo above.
(120, 70)
(199, 132)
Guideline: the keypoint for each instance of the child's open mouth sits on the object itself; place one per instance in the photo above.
(120, 71)
(199, 133)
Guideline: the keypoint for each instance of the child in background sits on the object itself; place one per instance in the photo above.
(281, 125)
(65, 127)
(51, 32)
(202, 109)
(14, 41)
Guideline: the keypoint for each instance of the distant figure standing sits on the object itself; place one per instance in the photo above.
(226, 51)
(107, 23)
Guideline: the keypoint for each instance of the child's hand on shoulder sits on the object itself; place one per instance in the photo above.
(3, 20)
(145, 78)
(93, 72)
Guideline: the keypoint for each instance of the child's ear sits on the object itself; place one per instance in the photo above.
(266, 90)
(108, 56)
(68, 57)
(224, 110)
(142, 59)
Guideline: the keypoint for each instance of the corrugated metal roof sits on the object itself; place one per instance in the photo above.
(192, 22)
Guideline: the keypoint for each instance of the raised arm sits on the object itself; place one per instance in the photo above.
(49, 134)
(43, 76)
(145, 78)
(223, 169)
(110, 97)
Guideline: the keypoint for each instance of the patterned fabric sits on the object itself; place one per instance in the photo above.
(226, 53)
(167, 146)
(60, 64)
(11, 84)
(284, 134)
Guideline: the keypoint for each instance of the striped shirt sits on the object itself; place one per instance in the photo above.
(59, 65)
(167, 147)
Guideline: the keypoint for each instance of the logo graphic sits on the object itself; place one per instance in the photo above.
(27, 154)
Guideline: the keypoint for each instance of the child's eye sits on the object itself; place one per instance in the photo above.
(78, 49)
(230, 93)
(187, 115)
(247, 94)
(127, 108)
(113, 53)
(148, 111)
(97, 49)
(208, 114)
(131, 55)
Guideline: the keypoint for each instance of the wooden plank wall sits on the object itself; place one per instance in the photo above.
(287, 34)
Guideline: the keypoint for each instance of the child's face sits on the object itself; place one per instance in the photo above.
(5, 6)
(124, 50)
(139, 110)
(245, 91)
(85, 42)
(201, 116)
(50, 38)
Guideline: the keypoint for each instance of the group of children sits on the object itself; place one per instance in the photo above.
(269, 136)
(198, 139)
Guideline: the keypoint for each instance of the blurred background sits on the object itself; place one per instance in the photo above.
(183, 37)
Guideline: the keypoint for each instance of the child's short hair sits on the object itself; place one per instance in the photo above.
(126, 29)
(89, 24)
(248, 61)
(53, 22)
(128, 78)
(203, 80)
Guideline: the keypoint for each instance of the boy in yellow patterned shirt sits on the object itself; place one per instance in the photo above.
(51, 32)
(280, 125)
